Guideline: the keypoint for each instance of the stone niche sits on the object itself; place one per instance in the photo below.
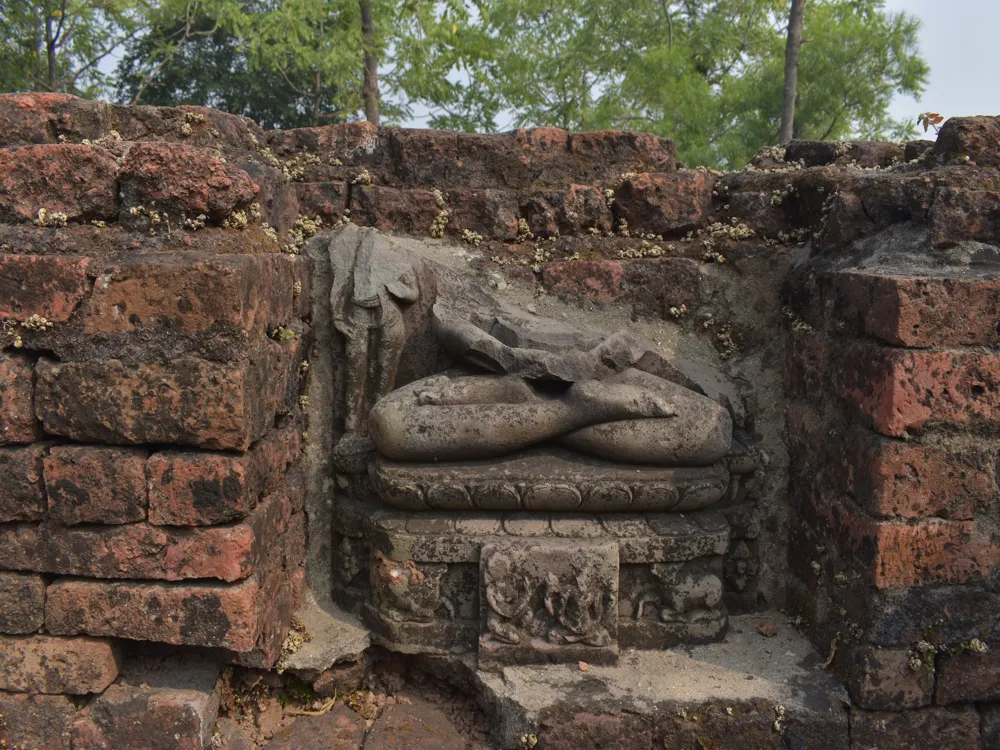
(511, 486)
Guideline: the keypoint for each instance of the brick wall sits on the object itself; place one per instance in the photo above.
(156, 335)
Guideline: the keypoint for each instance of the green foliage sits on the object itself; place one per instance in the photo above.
(59, 45)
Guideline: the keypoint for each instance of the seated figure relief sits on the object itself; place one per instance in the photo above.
(532, 414)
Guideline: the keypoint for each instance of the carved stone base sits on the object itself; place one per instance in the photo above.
(546, 479)
(566, 588)
(553, 600)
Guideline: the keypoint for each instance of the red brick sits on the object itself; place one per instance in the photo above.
(603, 155)
(911, 480)
(49, 664)
(966, 676)
(41, 117)
(902, 390)
(23, 597)
(189, 401)
(343, 729)
(159, 703)
(593, 280)
(75, 180)
(324, 199)
(880, 679)
(897, 554)
(39, 722)
(17, 414)
(573, 210)
(573, 731)
(667, 204)
(940, 728)
(490, 213)
(343, 141)
(275, 623)
(50, 286)
(184, 180)
(302, 285)
(190, 488)
(975, 138)
(87, 484)
(417, 726)
(22, 491)
(959, 214)
(191, 293)
(194, 614)
(386, 208)
(228, 553)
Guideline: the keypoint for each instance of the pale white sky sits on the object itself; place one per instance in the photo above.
(960, 39)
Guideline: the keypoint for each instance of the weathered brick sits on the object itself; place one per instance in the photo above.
(343, 729)
(190, 488)
(967, 676)
(41, 117)
(194, 614)
(75, 180)
(601, 156)
(17, 413)
(961, 214)
(302, 285)
(387, 208)
(990, 726)
(50, 664)
(139, 550)
(326, 200)
(182, 180)
(901, 390)
(880, 679)
(568, 211)
(667, 204)
(975, 138)
(934, 312)
(191, 293)
(159, 703)
(23, 597)
(49, 286)
(897, 554)
(275, 623)
(944, 728)
(579, 730)
(22, 491)
(39, 722)
(491, 213)
(187, 402)
(593, 280)
(87, 484)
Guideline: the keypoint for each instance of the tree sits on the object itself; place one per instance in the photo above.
(59, 45)
(370, 89)
(795, 17)
(706, 73)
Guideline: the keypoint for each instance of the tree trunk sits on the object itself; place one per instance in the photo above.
(370, 90)
(795, 17)
(50, 56)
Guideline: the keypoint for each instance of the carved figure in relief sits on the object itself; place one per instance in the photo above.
(508, 594)
(681, 592)
(579, 608)
(369, 288)
(404, 593)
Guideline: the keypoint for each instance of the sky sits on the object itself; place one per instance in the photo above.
(959, 40)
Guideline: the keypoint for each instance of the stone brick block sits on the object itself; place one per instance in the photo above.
(490, 213)
(182, 180)
(419, 726)
(966, 676)
(49, 664)
(75, 180)
(187, 402)
(39, 722)
(37, 117)
(49, 286)
(601, 156)
(302, 285)
(191, 293)
(86, 484)
(22, 491)
(23, 597)
(190, 488)
(944, 728)
(880, 679)
(961, 214)
(386, 208)
(194, 614)
(902, 390)
(169, 702)
(897, 554)
(142, 551)
(275, 623)
(593, 280)
(934, 312)
(578, 730)
(977, 138)
(343, 729)
(670, 204)
(17, 414)
(326, 200)
(568, 211)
